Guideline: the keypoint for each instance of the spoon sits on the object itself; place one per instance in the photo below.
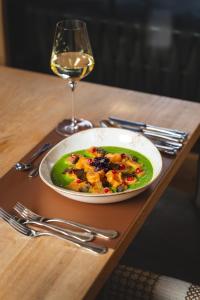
(20, 166)
(34, 172)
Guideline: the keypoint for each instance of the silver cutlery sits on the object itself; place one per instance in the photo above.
(153, 134)
(163, 140)
(22, 228)
(82, 236)
(171, 144)
(30, 215)
(164, 147)
(34, 172)
(159, 136)
(173, 132)
(20, 166)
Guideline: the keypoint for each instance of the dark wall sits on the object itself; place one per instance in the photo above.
(147, 45)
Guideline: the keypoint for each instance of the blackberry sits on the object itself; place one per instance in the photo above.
(101, 163)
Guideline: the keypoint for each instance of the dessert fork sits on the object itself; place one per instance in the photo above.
(30, 215)
(22, 228)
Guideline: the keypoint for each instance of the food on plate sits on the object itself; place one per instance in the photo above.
(102, 170)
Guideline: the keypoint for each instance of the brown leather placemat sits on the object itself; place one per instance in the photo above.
(16, 186)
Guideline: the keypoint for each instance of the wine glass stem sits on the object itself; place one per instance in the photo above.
(72, 85)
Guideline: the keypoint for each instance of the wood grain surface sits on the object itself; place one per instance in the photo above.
(44, 268)
(31, 105)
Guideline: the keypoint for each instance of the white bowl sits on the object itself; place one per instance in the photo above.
(101, 137)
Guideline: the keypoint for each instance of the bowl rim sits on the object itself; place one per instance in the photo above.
(84, 194)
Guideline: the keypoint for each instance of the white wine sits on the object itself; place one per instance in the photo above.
(72, 60)
(72, 65)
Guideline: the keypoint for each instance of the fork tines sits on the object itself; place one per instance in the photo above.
(24, 211)
(4, 215)
(14, 223)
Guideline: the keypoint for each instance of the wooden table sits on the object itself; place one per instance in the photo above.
(31, 106)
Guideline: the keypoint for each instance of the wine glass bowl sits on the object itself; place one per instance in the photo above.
(72, 60)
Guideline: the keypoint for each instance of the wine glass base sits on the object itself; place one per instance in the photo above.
(66, 128)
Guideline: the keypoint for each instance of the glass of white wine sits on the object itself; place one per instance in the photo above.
(72, 60)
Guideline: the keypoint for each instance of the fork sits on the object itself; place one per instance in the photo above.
(22, 228)
(82, 236)
(30, 215)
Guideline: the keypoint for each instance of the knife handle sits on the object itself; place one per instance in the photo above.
(128, 123)
(161, 136)
(167, 132)
(166, 149)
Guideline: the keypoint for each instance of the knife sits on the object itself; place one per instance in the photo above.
(176, 142)
(167, 131)
(165, 147)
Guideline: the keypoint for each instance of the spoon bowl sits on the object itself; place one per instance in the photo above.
(23, 166)
(20, 166)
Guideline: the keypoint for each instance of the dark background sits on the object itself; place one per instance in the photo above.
(146, 45)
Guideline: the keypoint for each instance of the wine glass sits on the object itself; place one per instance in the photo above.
(72, 60)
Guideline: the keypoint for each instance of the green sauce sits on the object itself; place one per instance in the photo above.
(60, 179)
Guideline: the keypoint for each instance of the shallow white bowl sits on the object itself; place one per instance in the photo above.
(100, 137)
